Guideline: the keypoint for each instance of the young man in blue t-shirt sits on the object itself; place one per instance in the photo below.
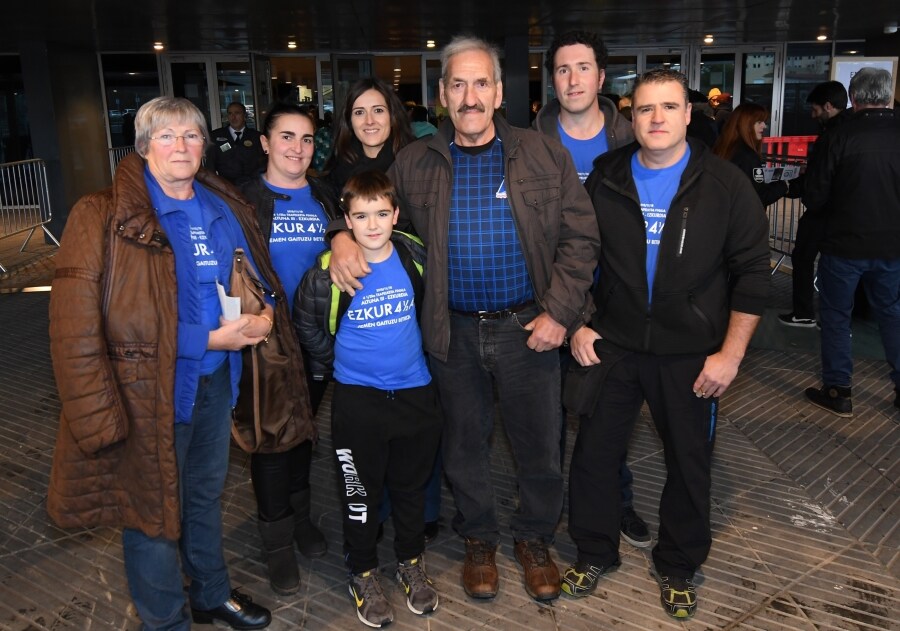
(386, 425)
(588, 125)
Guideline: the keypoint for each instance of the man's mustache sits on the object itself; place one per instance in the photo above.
(470, 108)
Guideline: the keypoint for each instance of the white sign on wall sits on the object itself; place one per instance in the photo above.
(843, 68)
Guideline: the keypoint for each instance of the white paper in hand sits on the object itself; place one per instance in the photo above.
(231, 305)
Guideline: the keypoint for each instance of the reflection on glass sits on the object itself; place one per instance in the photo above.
(15, 136)
(234, 86)
(621, 71)
(130, 80)
(294, 80)
(807, 65)
(189, 81)
(717, 71)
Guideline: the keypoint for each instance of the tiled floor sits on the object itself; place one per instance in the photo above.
(805, 514)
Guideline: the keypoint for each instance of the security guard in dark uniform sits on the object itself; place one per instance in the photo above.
(235, 151)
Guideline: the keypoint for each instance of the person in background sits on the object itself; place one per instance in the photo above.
(323, 138)
(828, 106)
(292, 210)
(588, 125)
(147, 368)
(702, 125)
(234, 151)
(678, 298)
(418, 117)
(853, 185)
(740, 142)
(720, 106)
(624, 106)
(372, 128)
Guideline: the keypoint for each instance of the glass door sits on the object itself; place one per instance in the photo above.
(211, 82)
(747, 73)
(345, 69)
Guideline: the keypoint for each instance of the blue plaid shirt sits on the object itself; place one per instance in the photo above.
(485, 268)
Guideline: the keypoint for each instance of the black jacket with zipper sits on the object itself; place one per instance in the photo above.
(713, 256)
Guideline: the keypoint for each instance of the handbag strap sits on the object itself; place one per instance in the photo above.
(257, 421)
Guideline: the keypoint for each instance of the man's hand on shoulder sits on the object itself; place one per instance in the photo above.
(348, 264)
(546, 333)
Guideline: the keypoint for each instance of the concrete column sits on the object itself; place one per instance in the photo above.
(66, 117)
(515, 85)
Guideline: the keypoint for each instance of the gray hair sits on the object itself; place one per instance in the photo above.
(162, 112)
(465, 43)
(871, 86)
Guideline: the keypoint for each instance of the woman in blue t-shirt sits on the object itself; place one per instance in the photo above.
(292, 209)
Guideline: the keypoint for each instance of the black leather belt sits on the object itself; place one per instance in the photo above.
(494, 315)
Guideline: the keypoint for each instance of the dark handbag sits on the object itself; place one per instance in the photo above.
(584, 383)
(266, 366)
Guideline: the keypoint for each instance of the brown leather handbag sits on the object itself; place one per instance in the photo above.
(266, 366)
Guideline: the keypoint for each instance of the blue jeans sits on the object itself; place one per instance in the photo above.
(483, 352)
(152, 563)
(838, 278)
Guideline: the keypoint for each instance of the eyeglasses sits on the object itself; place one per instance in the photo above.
(192, 139)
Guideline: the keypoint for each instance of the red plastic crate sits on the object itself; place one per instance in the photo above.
(788, 148)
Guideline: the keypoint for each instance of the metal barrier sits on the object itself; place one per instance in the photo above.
(783, 217)
(115, 156)
(24, 201)
(779, 151)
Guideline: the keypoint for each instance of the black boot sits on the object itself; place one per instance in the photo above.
(310, 541)
(284, 577)
(835, 399)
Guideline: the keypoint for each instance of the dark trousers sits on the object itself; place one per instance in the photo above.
(626, 477)
(483, 352)
(276, 476)
(383, 439)
(810, 230)
(686, 425)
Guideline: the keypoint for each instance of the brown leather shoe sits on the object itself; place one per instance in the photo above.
(541, 573)
(480, 578)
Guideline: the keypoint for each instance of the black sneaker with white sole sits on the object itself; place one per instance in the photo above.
(634, 529)
(789, 319)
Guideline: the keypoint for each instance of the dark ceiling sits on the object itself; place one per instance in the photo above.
(358, 25)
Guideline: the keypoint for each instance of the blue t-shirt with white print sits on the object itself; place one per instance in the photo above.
(378, 343)
(656, 189)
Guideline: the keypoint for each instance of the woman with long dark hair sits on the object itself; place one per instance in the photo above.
(371, 129)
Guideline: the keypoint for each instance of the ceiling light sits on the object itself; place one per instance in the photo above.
(396, 69)
(708, 39)
(292, 45)
(158, 46)
(243, 72)
(132, 74)
(430, 44)
(534, 67)
(821, 38)
(852, 52)
(890, 28)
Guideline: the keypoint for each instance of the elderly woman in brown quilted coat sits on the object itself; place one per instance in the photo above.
(147, 369)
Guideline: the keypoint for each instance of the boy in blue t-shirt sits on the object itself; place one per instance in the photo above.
(386, 423)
